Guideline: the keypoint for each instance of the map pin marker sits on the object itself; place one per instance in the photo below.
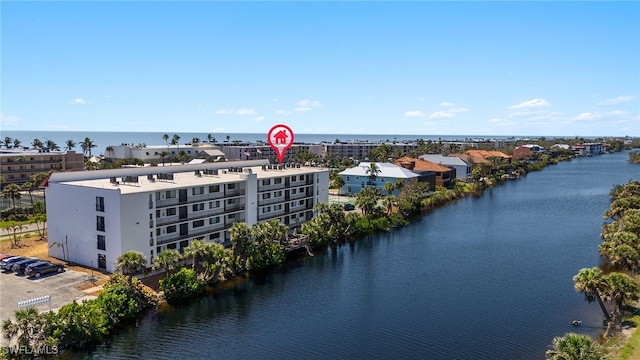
(280, 137)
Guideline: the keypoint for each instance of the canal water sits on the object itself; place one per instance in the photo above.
(484, 278)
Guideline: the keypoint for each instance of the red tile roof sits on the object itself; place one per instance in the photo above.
(421, 165)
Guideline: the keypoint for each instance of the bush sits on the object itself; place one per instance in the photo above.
(181, 286)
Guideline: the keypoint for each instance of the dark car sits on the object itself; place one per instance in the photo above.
(43, 267)
(21, 266)
(7, 263)
(348, 207)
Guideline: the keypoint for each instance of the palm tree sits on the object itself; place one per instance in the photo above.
(573, 346)
(7, 141)
(130, 263)
(195, 141)
(389, 187)
(339, 183)
(86, 145)
(51, 145)
(372, 172)
(367, 199)
(389, 202)
(11, 191)
(168, 260)
(240, 237)
(28, 186)
(620, 289)
(228, 138)
(195, 251)
(37, 144)
(211, 139)
(592, 283)
(16, 143)
(70, 144)
(109, 150)
(175, 141)
(163, 154)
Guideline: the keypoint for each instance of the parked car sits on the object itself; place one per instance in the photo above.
(40, 268)
(348, 207)
(21, 266)
(4, 256)
(6, 264)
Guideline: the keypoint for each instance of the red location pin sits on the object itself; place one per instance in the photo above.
(280, 137)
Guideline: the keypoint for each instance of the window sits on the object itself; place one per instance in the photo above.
(266, 209)
(266, 182)
(231, 216)
(266, 196)
(231, 186)
(99, 203)
(101, 243)
(215, 236)
(277, 207)
(100, 223)
(214, 220)
(301, 202)
(158, 232)
(198, 207)
(214, 188)
(231, 201)
(277, 181)
(171, 229)
(197, 190)
(198, 223)
(170, 194)
(214, 204)
(157, 213)
(171, 211)
(301, 177)
(102, 261)
(293, 191)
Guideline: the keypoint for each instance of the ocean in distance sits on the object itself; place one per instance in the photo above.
(104, 139)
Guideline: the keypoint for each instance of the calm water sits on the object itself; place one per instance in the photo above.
(484, 278)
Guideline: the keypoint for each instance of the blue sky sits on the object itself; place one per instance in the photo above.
(425, 68)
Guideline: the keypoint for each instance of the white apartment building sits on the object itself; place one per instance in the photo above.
(95, 216)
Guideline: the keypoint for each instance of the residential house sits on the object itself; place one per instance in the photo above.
(357, 178)
(443, 175)
(463, 168)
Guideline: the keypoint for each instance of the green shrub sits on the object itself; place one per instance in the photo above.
(181, 286)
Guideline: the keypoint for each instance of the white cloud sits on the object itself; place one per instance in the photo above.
(495, 121)
(306, 105)
(414, 113)
(617, 100)
(245, 112)
(458, 110)
(224, 111)
(590, 116)
(9, 120)
(283, 112)
(446, 104)
(79, 101)
(441, 114)
(532, 103)
(259, 118)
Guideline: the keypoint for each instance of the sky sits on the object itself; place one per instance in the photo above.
(359, 67)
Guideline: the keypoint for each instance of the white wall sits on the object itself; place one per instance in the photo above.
(133, 234)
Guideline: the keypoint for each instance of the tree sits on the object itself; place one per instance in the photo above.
(228, 138)
(240, 237)
(70, 144)
(592, 283)
(388, 203)
(620, 288)
(163, 154)
(12, 191)
(573, 346)
(195, 251)
(37, 144)
(367, 199)
(7, 141)
(195, 141)
(109, 151)
(211, 139)
(14, 228)
(28, 186)
(372, 172)
(130, 263)
(338, 182)
(175, 140)
(52, 146)
(168, 260)
(16, 143)
(389, 187)
(86, 145)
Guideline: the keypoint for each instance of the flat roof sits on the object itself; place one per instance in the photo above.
(182, 178)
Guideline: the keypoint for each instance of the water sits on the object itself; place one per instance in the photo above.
(104, 139)
(484, 278)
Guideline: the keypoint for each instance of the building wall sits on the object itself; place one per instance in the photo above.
(353, 184)
(173, 216)
(18, 167)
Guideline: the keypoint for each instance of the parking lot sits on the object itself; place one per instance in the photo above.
(61, 287)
